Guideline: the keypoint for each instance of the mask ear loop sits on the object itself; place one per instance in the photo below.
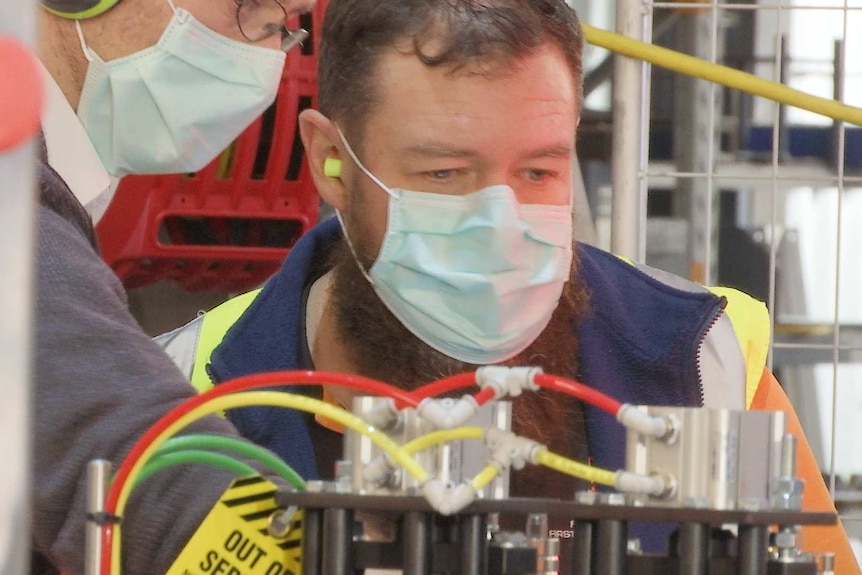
(181, 16)
(365, 170)
(86, 50)
(338, 215)
(84, 47)
(352, 248)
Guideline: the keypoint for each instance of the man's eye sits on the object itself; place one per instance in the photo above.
(537, 175)
(441, 175)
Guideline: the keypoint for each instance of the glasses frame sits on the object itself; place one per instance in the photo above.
(290, 38)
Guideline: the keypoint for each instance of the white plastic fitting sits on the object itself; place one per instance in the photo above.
(383, 415)
(446, 412)
(655, 485)
(510, 450)
(446, 499)
(507, 381)
(657, 426)
(378, 470)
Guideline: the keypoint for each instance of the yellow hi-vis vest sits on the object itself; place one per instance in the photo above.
(192, 345)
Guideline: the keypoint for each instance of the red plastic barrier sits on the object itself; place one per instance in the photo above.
(21, 94)
(229, 226)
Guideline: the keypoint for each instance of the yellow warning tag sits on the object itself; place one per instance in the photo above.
(233, 539)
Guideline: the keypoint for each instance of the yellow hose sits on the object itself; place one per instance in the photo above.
(575, 469)
(437, 437)
(247, 398)
(697, 68)
(484, 477)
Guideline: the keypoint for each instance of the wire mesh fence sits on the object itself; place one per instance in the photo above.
(750, 175)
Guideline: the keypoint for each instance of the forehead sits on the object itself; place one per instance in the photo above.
(531, 97)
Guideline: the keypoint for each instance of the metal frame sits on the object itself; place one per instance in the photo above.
(426, 543)
(628, 222)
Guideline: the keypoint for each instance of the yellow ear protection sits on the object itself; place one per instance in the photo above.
(78, 9)
(332, 168)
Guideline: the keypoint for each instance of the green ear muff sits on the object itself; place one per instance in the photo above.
(78, 9)
(332, 168)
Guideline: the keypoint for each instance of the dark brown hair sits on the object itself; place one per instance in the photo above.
(462, 32)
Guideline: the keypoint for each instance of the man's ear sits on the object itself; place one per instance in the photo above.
(323, 149)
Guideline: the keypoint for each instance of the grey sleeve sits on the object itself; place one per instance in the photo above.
(99, 384)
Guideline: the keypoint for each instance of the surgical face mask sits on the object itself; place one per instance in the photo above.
(476, 276)
(175, 106)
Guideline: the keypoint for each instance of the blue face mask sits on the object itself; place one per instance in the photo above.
(176, 105)
(476, 276)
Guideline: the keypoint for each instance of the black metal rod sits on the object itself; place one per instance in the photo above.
(753, 540)
(337, 538)
(583, 548)
(609, 556)
(694, 549)
(311, 541)
(473, 544)
(417, 543)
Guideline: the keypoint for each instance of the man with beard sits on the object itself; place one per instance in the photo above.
(444, 143)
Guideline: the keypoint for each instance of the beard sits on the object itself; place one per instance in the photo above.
(379, 346)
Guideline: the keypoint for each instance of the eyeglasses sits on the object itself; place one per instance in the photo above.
(262, 19)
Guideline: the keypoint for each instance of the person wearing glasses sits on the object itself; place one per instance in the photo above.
(443, 140)
(133, 87)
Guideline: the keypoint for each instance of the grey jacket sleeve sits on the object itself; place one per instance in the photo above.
(100, 383)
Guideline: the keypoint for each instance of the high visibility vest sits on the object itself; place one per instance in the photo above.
(192, 345)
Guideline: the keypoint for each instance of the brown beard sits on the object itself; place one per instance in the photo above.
(379, 346)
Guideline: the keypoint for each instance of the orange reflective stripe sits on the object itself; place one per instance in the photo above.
(771, 397)
(325, 421)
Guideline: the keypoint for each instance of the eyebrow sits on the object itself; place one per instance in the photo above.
(439, 150)
(554, 151)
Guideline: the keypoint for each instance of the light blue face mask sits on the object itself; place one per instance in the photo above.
(175, 106)
(476, 276)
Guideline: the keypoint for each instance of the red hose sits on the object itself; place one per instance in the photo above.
(401, 397)
(239, 384)
(441, 386)
(579, 390)
(560, 384)
(484, 396)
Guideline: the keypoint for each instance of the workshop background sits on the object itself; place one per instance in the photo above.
(716, 183)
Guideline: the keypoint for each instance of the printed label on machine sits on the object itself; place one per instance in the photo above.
(233, 539)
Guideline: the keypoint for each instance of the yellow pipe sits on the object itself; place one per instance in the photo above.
(244, 399)
(695, 67)
(484, 477)
(575, 469)
(437, 437)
